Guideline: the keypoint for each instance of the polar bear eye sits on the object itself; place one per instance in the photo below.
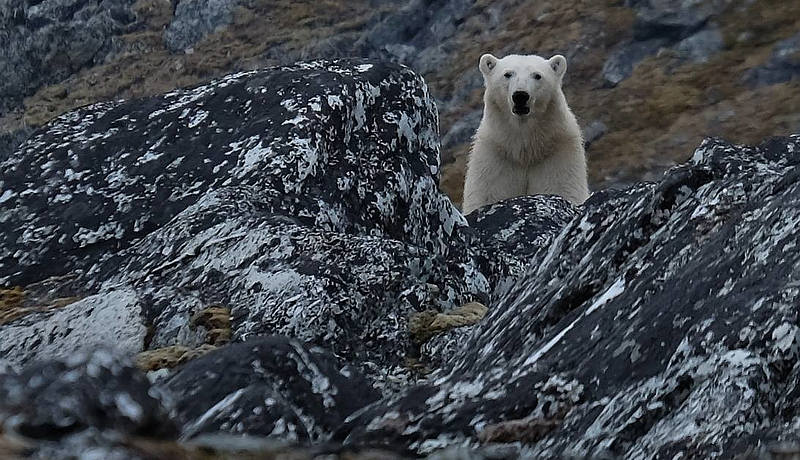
(537, 76)
(508, 74)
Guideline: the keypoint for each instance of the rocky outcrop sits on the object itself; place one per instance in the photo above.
(46, 41)
(276, 244)
(683, 25)
(304, 199)
(357, 155)
(195, 19)
(661, 320)
(269, 387)
(783, 64)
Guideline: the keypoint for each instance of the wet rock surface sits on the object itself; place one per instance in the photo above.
(275, 247)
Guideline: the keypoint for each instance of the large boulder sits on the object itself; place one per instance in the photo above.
(272, 386)
(302, 199)
(661, 320)
(344, 147)
(96, 389)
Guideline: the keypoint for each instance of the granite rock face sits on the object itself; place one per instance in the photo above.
(46, 41)
(662, 319)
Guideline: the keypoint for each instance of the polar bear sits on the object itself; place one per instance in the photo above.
(528, 142)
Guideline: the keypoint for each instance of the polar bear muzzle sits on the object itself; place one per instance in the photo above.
(520, 99)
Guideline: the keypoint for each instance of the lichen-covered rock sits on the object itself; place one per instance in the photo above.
(269, 386)
(60, 332)
(344, 146)
(661, 320)
(98, 390)
(303, 200)
(275, 390)
(348, 292)
(509, 233)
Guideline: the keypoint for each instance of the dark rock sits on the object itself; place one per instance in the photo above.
(672, 20)
(594, 131)
(782, 66)
(657, 319)
(462, 130)
(686, 24)
(45, 42)
(340, 146)
(9, 141)
(272, 387)
(511, 232)
(349, 292)
(621, 62)
(195, 19)
(50, 400)
(662, 319)
(303, 199)
(438, 352)
(415, 34)
(701, 46)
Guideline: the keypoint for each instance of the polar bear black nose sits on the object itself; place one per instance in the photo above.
(520, 97)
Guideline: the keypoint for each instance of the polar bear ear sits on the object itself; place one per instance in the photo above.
(559, 64)
(488, 62)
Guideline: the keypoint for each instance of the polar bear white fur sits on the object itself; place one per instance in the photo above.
(528, 142)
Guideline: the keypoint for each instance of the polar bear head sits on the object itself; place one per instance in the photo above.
(521, 86)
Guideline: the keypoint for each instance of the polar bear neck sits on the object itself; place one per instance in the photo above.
(529, 140)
